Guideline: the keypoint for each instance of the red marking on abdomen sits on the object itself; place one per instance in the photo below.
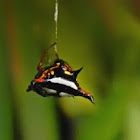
(84, 92)
(39, 80)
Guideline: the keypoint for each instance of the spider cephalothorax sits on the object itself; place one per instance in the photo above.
(58, 80)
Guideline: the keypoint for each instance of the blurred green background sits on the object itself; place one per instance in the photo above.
(104, 37)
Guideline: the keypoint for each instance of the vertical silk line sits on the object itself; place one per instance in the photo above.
(56, 19)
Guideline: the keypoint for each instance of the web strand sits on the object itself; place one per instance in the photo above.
(56, 18)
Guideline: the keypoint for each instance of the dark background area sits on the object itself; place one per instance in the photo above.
(103, 37)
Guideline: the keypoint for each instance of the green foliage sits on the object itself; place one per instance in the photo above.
(102, 36)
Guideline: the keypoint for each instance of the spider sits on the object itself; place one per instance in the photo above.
(57, 79)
